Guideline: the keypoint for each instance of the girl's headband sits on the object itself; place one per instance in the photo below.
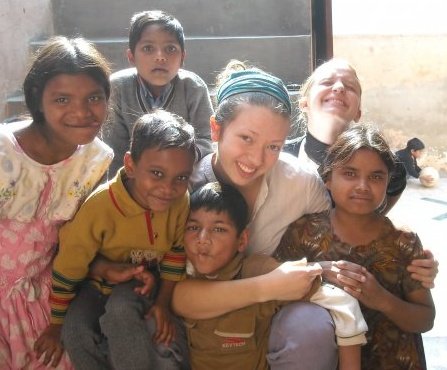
(251, 80)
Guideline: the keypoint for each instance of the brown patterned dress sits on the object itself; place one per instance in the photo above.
(388, 348)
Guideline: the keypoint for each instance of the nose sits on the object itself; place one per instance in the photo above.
(82, 109)
(160, 55)
(257, 156)
(168, 189)
(362, 184)
(338, 86)
(203, 237)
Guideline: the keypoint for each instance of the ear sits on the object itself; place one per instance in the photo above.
(129, 165)
(302, 104)
(243, 240)
(328, 182)
(358, 115)
(183, 58)
(130, 57)
(215, 129)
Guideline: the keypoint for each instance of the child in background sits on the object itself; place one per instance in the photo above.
(409, 156)
(157, 51)
(216, 236)
(329, 100)
(396, 307)
(139, 218)
(48, 166)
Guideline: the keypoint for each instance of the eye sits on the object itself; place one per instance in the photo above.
(348, 173)
(191, 228)
(147, 48)
(96, 98)
(219, 229)
(171, 49)
(377, 177)
(182, 178)
(326, 82)
(61, 100)
(157, 173)
(246, 139)
(274, 148)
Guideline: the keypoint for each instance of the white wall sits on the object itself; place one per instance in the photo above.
(399, 48)
(20, 22)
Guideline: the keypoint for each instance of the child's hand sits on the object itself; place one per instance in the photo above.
(370, 292)
(343, 273)
(165, 328)
(113, 272)
(424, 270)
(148, 281)
(49, 343)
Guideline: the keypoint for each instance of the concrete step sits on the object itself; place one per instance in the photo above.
(106, 18)
(287, 57)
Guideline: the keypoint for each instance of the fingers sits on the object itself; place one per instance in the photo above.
(57, 355)
(351, 266)
(148, 281)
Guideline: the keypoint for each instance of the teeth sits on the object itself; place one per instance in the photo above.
(336, 101)
(246, 168)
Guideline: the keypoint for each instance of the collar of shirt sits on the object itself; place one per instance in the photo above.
(315, 149)
(155, 102)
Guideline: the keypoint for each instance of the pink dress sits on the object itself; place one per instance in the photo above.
(35, 200)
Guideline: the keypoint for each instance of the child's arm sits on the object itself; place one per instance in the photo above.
(161, 313)
(415, 314)
(49, 343)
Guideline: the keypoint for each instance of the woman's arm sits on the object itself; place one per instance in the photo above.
(415, 314)
(425, 270)
(200, 299)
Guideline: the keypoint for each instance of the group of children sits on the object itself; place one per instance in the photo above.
(95, 272)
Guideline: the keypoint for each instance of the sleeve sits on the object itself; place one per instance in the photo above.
(350, 326)
(290, 247)
(200, 110)
(116, 132)
(78, 245)
(411, 248)
(173, 264)
(398, 180)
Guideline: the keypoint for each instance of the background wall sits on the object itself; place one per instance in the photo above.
(399, 49)
(20, 22)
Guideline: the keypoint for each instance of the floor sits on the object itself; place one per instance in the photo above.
(424, 210)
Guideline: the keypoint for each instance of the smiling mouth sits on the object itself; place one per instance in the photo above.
(246, 169)
(94, 125)
(337, 102)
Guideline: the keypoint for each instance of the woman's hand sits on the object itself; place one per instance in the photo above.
(424, 270)
(290, 281)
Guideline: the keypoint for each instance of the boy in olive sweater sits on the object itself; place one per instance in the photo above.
(138, 217)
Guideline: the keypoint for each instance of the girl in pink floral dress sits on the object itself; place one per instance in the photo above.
(47, 167)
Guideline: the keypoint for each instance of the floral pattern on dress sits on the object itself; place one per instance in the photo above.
(34, 203)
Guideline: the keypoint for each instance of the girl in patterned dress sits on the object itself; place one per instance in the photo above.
(48, 165)
(397, 308)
